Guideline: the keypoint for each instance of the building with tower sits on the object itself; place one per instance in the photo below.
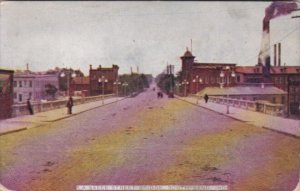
(195, 76)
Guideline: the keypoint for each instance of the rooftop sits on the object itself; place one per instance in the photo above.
(273, 70)
(241, 90)
(187, 53)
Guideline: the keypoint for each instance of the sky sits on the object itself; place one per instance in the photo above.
(130, 34)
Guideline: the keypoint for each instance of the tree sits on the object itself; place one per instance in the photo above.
(165, 82)
(136, 83)
(51, 90)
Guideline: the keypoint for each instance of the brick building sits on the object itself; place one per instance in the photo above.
(279, 76)
(80, 86)
(110, 75)
(201, 75)
(6, 93)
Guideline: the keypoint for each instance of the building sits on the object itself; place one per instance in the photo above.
(30, 85)
(252, 92)
(6, 93)
(103, 77)
(196, 76)
(80, 86)
(279, 76)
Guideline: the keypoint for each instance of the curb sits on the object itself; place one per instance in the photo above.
(221, 113)
(13, 131)
(72, 115)
(65, 117)
(267, 128)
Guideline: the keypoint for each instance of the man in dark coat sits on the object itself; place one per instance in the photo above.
(206, 98)
(29, 107)
(70, 105)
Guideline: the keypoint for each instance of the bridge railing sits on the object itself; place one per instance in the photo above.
(21, 109)
(259, 106)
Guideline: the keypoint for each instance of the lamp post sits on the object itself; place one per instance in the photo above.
(197, 80)
(177, 88)
(102, 80)
(185, 83)
(125, 84)
(69, 75)
(117, 83)
(224, 75)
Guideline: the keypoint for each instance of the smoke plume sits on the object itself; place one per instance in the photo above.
(276, 9)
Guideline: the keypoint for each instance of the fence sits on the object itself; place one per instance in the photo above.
(259, 106)
(21, 109)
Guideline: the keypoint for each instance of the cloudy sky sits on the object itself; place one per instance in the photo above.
(145, 34)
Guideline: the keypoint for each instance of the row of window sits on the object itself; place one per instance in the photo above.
(283, 80)
(24, 83)
(212, 80)
(19, 97)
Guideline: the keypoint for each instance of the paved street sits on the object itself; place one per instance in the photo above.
(145, 140)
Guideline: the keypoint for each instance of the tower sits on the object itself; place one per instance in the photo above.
(187, 63)
(187, 60)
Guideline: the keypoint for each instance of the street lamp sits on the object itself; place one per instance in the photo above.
(117, 83)
(197, 80)
(125, 84)
(102, 80)
(185, 83)
(177, 88)
(69, 75)
(223, 76)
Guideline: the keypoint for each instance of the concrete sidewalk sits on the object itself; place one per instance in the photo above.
(39, 119)
(275, 123)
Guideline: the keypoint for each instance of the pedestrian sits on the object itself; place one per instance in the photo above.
(206, 98)
(29, 107)
(70, 105)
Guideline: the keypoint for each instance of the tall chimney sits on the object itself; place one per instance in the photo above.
(275, 54)
(91, 67)
(279, 54)
(27, 67)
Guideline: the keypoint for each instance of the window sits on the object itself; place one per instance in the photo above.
(238, 78)
(20, 97)
(30, 83)
(15, 95)
(15, 84)
(20, 84)
(30, 95)
(25, 83)
(273, 100)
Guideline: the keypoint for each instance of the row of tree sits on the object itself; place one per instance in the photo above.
(136, 83)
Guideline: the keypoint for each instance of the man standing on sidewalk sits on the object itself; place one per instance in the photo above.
(70, 105)
(29, 107)
(206, 98)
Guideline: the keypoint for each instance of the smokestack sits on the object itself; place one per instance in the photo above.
(91, 67)
(279, 54)
(275, 54)
(275, 9)
(27, 67)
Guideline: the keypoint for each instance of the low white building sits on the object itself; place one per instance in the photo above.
(32, 85)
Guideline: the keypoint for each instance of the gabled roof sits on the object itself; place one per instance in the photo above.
(241, 90)
(273, 70)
